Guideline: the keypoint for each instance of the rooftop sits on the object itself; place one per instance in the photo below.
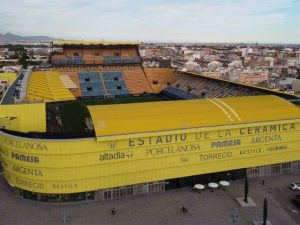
(66, 42)
(128, 119)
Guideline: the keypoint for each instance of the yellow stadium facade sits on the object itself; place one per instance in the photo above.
(55, 166)
(62, 166)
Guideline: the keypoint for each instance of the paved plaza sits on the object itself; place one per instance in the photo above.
(207, 208)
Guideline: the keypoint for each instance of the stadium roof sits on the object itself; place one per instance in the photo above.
(93, 43)
(136, 118)
(23, 117)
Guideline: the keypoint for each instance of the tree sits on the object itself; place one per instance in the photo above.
(23, 60)
(265, 212)
(246, 190)
(14, 56)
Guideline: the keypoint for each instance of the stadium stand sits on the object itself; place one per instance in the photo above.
(136, 60)
(99, 53)
(88, 59)
(108, 60)
(74, 77)
(114, 83)
(91, 84)
(127, 60)
(47, 86)
(117, 60)
(136, 80)
(159, 78)
(78, 60)
(206, 88)
(171, 93)
(70, 60)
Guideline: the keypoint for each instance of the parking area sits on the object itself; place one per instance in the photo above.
(205, 208)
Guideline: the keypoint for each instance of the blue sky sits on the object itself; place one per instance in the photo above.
(271, 21)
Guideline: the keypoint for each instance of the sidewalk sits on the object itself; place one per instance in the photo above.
(207, 208)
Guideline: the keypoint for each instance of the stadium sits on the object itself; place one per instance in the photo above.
(98, 125)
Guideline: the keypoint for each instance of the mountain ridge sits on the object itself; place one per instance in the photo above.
(9, 37)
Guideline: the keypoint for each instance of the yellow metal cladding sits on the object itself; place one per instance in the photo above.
(23, 117)
(69, 166)
(46, 87)
(173, 115)
(212, 141)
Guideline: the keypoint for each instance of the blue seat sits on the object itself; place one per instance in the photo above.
(62, 62)
(78, 60)
(136, 60)
(70, 60)
(117, 60)
(178, 93)
(108, 60)
(118, 92)
(56, 61)
(127, 60)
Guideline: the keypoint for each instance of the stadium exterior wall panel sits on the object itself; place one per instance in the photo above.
(79, 165)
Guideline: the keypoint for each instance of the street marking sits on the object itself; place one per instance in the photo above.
(220, 107)
(231, 109)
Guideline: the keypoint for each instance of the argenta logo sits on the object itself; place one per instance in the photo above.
(114, 156)
(26, 145)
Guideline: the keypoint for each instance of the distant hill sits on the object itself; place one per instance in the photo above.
(9, 37)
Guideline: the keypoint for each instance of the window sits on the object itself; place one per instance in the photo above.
(116, 78)
(168, 83)
(107, 194)
(116, 193)
(155, 82)
(286, 165)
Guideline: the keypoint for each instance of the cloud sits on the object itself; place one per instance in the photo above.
(189, 20)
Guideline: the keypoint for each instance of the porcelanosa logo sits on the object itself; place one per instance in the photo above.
(26, 145)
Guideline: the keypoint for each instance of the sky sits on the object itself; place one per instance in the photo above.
(226, 21)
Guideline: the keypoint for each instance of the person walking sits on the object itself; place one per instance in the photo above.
(113, 211)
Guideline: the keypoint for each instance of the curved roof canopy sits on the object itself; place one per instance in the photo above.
(165, 116)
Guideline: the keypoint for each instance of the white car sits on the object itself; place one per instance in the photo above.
(295, 186)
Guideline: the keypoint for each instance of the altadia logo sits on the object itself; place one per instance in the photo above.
(114, 156)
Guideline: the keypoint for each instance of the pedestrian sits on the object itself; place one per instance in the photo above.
(184, 210)
(263, 182)
(113, 211)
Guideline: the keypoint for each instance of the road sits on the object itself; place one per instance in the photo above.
(8, 98)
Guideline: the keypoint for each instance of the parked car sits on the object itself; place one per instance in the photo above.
(295, 186)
